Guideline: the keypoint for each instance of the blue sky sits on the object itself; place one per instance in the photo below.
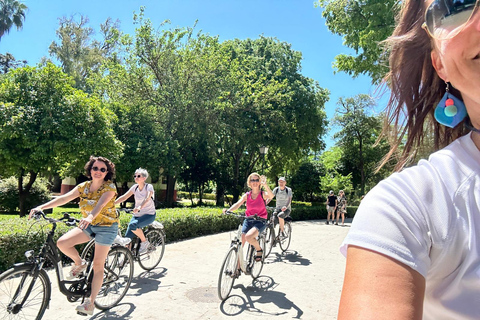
(297, 22)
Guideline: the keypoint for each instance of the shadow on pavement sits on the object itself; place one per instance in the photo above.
(147, 281)
(120, 311)
(289, 256)
(256, 299)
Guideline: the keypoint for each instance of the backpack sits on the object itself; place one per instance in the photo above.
(276, 191)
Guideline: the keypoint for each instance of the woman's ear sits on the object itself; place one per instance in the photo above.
(438, 65)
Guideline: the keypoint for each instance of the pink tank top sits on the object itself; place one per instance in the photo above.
(256, 206)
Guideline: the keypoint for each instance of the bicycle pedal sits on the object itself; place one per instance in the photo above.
(82, 313)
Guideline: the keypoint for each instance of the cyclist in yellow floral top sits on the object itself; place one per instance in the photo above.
(97, 204)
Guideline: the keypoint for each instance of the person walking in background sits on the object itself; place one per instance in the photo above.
(144, 211)
(99, 221)
(341, 207)
(256, 205)
(283, 208)
(331, 206)
(413, 249)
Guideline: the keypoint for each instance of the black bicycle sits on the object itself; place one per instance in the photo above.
(154, 233)
(273, 237)
(236, 261)
(25, 289)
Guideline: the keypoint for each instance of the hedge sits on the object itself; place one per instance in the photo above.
(18, 235)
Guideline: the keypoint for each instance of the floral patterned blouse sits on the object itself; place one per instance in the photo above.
(88, 201)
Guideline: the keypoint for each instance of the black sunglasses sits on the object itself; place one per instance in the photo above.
(103, 170)
(254, 180)
(137, 176)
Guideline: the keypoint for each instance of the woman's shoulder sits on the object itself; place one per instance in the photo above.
(109, 186)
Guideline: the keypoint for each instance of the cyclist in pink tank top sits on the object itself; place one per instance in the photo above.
(255, 199)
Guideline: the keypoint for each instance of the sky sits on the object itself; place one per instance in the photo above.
(297, 22)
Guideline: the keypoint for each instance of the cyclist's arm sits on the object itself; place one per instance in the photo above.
(379, 287)
(58, 201)
(104, 199)
(267, 194)
(124, 197)
(237, 204)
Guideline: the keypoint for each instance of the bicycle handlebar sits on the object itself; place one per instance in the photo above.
(66, 216)
(254, 217)
(125, 210)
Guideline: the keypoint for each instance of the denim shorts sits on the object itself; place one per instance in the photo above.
(252, 223)
(103, 235)
(283, 214)
(138, 223)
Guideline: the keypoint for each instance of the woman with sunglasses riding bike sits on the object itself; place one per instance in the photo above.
(255, 199)
(413, 249)
(144, 211)
(100, 221)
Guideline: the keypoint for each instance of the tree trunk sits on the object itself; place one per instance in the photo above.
(220, 198)
(200, 195)
(24, 192)
(170, 192)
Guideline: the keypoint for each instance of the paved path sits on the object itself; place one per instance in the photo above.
(305, 282)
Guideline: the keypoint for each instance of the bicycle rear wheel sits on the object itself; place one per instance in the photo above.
(154, 254)
(14, 289)
(257, 265)
(118, 274)
(227, 274)
(88, 251)
(285, 242)
(269, 240)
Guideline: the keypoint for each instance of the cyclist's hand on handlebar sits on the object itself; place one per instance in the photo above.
(33, 211)
(284, 208)
(224, 211)
(136, 209)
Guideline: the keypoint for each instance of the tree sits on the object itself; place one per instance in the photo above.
(47, 126)
(305, 181)
(8, 61)
(333, 179)
(12, 13)
(363, 26)
(358, 135)
(79, 54)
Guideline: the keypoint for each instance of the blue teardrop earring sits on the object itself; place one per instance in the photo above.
(450, 111)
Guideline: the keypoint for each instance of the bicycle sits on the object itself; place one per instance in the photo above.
(154, 233)
(236, 262)
(272, 237)
(25, 289)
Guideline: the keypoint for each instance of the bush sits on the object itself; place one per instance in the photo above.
(9, 194)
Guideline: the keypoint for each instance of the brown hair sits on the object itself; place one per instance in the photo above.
(110, 167)
(415, 88)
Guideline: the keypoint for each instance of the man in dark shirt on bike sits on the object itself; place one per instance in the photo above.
(283, 197)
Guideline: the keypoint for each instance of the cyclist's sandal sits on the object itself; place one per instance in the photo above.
(86, 308)
(77, 270)
(259, 257)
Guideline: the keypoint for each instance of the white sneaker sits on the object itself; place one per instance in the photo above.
(86, 308)
(76, 270)
(123, 241)
(143, 247)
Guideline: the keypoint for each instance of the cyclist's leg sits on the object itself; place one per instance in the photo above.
(281, 219)
(69, 240)
(141, 222)
(252, 234)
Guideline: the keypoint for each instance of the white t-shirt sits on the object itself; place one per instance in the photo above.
(428, 218)
(282, 196)
(140, 195)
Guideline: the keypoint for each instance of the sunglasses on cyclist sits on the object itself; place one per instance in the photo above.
(444, 19)
(254, 180)
(137, 176)
(103, 170)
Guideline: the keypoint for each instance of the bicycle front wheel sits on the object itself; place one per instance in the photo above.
(257, 265)
(155, 250)
(118, 274)
(22, 296)
(285, 241)
(227, 274)
(269, 240)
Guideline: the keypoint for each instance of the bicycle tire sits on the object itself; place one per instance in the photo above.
(227, 273)
(88, 251)
(257, 265)
(37, 300)
(269, 240)
(154, 254)
(118, 274)
(285, 242)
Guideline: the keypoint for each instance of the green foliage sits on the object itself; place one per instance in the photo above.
(363, 26)
(306, 180)
(39, 193)
(333, 178)
(12, 13)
